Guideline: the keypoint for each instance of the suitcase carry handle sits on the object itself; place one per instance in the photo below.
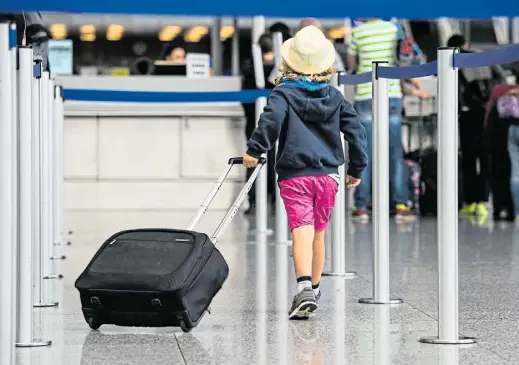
(216, 187)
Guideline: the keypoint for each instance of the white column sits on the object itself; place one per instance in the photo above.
(448, 316)
(6, 195)
(216, 47)
(258, 28)
(24, 336)
(235, 52)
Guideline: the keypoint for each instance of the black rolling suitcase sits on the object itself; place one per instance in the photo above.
(158, 277)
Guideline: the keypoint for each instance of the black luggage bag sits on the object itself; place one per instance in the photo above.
(158, 277)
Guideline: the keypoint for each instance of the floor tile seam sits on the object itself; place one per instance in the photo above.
(418, 309)
(180, 349)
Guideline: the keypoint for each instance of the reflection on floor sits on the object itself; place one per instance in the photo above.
(249, 325)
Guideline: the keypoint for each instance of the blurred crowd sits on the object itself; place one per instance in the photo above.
(488, 127)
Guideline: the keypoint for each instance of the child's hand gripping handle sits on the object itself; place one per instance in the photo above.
(239, 161)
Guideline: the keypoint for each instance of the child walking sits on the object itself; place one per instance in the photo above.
(307, 115)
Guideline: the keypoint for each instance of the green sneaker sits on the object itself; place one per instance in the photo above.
(481, 210)
(469, 209)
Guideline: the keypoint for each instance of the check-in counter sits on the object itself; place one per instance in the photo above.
(155, 156)
(149, 156)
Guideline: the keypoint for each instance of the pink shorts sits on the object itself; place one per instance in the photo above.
(309, 200)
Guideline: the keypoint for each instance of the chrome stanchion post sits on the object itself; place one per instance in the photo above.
(51, 209)
(448, 316)
(262, 180)
(281, 215)
(6, 196)
(46, 188)
(37, 185)
(338, 219)
(380, 170)
(57, 176)
(13, 54)
(24, 334)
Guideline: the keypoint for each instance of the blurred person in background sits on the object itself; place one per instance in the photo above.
(474, 159)
(375, 40)
(175, 53)
(249, 83)
(177, 56)
(281, 28)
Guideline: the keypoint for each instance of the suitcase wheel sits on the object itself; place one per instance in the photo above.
(183, 327)
(92, 322)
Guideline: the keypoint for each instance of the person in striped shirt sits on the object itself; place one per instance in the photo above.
(375, 40)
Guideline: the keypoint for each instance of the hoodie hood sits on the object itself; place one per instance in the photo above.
(312, 102)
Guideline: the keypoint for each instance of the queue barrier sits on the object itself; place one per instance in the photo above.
(42, 195)
(31, 191)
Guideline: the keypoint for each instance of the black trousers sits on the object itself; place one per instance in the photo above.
(502, 201)
(476, 182)
(250, 115)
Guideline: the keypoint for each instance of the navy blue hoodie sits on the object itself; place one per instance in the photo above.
(307, 118)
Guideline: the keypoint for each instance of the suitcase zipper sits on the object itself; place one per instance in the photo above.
(187, 284)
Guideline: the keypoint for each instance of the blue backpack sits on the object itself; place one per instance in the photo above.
(407, 52)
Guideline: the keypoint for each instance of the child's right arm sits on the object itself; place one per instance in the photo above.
(355, 134)
(267, 132)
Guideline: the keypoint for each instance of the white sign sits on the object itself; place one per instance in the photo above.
(198, 64)
(60, 56)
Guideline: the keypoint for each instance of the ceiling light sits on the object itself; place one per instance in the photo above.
(168, 33)
(226, 32)
(194, 34)
(58, 31)
(337, 33)
(87, 29)
(114, 32)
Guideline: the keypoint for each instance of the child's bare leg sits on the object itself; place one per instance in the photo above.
(318, 257)
(303, 238)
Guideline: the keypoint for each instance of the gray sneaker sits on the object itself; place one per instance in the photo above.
(317, 297)
(303, 305)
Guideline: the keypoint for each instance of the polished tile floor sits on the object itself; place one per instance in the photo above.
(249, 325)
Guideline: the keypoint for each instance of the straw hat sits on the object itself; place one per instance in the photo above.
(309, 52)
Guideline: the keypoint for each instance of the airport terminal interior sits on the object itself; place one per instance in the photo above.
(133, 163)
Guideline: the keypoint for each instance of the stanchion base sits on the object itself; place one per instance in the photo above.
(53, 277)
(36, 343)
(373, 301)
(462, 340)
(46, 305)
(286, 243)
(68, 243)
(268, 232)
(341, 274)
(63, 257)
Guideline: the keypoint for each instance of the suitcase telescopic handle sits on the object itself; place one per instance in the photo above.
(239, 161)
(216, 187)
